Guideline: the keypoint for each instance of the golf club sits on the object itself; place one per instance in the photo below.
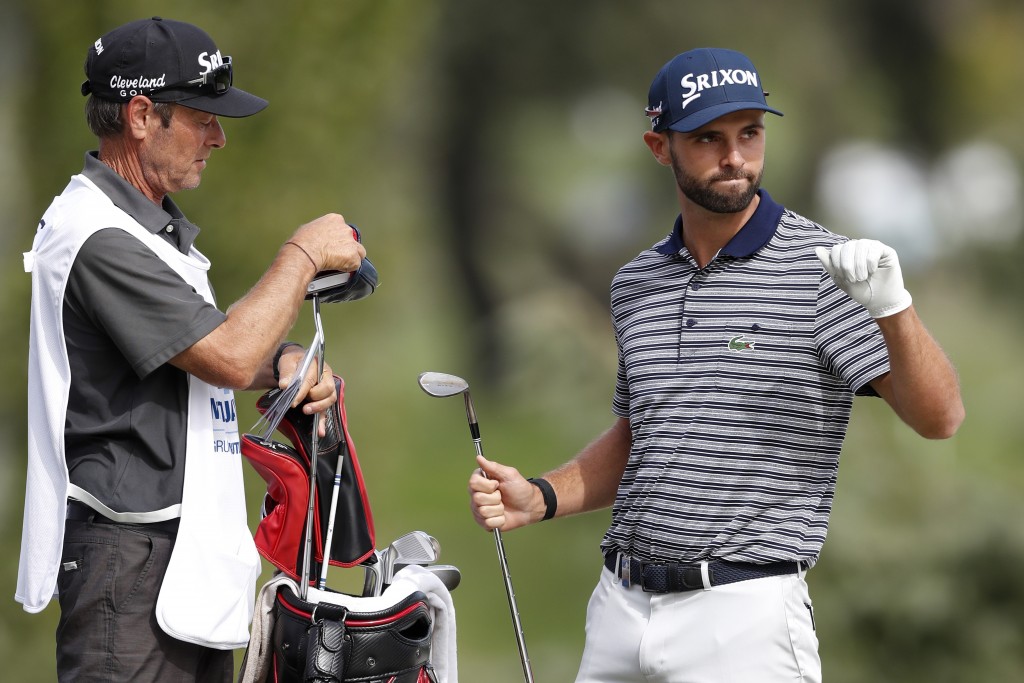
(283, 399)
(334, 509)
(415, 547)
(442, 385)
(449, 574)
(372, 578)
(307, 555)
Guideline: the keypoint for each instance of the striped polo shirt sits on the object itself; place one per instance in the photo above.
(738, 380)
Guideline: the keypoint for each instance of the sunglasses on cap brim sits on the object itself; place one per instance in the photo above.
(219, 79)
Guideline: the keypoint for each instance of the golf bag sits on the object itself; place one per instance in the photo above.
(323, 636)
(280, 536)
(331, 643)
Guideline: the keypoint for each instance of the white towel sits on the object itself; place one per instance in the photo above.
(443, 644)
(256, 664)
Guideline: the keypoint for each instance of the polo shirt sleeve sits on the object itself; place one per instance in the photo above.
(849, 342)
(146, 309)
(620, 399)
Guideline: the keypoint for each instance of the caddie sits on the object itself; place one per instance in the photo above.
(134, 510)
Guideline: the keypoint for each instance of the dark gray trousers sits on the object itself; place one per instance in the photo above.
(108, 583)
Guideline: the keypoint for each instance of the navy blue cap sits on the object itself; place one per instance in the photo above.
(699, 86)
(167, 61)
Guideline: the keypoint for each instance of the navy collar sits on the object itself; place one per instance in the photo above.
(128, 198)
(756, 233)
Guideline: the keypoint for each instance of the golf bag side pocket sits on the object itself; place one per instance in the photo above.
(325, 642)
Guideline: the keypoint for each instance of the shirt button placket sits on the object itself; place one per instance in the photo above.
(686, 322)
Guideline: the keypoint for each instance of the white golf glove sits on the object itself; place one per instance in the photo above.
(869, 272)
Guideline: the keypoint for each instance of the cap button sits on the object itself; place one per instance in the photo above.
(157, 19)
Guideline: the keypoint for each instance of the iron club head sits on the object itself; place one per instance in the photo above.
(449, 574)
(415, 547)
(442, 385)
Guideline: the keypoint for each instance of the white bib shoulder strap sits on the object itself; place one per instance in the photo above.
(78, 493)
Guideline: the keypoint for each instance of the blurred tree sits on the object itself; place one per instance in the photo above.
(903, 41)
(490, 63)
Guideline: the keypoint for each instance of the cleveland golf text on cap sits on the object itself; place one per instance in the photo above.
(167, 61)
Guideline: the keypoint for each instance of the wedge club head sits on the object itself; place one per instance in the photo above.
(443, 385)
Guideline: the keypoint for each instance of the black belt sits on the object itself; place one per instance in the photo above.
(671, 577)
(80, 512)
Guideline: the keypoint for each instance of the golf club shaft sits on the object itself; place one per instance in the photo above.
(513, 607)
(474, 430)
(330, 523)
(307, 555)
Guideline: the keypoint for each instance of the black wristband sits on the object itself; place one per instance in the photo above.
(277, 359)
(550, 499)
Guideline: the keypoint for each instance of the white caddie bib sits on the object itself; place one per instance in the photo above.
(208, 593)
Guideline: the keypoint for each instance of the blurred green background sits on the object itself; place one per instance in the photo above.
(491, 154)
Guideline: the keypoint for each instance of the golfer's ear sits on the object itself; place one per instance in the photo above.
(658, 144)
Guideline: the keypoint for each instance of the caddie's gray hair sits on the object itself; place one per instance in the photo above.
(104, 117)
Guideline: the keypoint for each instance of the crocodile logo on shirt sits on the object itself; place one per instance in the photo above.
(740, 344)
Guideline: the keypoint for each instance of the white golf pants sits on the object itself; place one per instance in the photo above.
(758, 631)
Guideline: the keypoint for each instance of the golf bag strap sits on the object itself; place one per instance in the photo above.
(325, 651)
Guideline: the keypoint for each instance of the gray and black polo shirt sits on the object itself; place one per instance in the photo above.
(126, 313)
(738, 380)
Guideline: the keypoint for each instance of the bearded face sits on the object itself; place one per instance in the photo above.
(725, 191)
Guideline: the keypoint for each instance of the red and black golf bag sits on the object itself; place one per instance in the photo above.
(317, 639)
(327, 642)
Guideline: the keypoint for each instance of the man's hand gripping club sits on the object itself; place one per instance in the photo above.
(503, 499)
(316, 394)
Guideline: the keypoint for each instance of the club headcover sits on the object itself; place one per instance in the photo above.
(334, 286)
(280, 537)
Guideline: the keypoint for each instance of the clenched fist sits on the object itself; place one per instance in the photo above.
(869, 272)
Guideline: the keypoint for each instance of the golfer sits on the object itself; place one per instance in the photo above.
(134, 511)
(742, 338)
